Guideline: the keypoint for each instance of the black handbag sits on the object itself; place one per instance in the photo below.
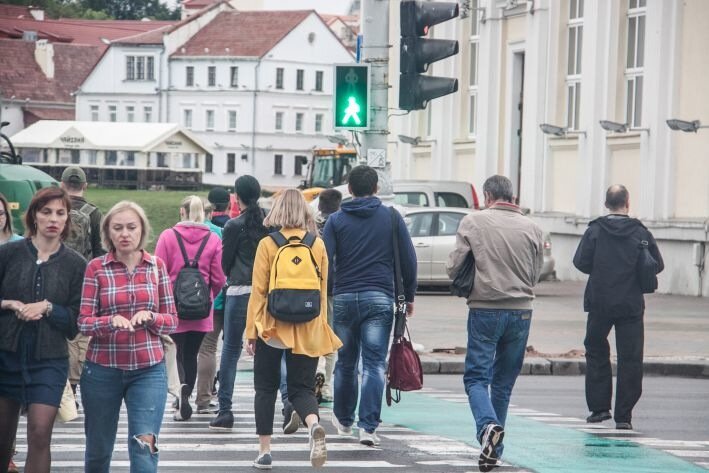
(646, 269)
(462, 284)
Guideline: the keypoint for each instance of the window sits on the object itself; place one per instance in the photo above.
(93, 157)
(130, 113)
(299, 79)
(189, 76)
(208, 163)
(634, 67)
(300, 161)
(209, 120)
(211, 76)
(111, 158)
(279, 78)
(140, 68)
(231, 163)
(231, 116)
(299, 121)
(187, 160)
(94, 113)
(187, 118)
(112, 114)
(279, 121)
(75, 156)
(318, 122)
(419, 225)
(473, 78)
(573, 66)
(318, 80)
(411, 198)
(450, 199)
(244, 157)
(278, 164)
(448, 223)
(130, 67)
(162, 160)
(147, 114)
(234, 77)
(130, 158)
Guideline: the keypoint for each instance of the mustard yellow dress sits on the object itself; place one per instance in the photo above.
(314, 338)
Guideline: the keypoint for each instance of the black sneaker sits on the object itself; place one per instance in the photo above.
(263, 462)
(184, 410)
(491, 438)
(223, 421)
(319, 382)
(623, 426)
(598, 416)
(291, 420)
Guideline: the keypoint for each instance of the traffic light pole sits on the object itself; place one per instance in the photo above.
(374, 24)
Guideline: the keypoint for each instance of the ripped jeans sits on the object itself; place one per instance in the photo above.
(103, 390)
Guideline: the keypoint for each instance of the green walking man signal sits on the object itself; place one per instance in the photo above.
(350, 98)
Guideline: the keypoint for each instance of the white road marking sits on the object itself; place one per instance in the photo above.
(232, 463)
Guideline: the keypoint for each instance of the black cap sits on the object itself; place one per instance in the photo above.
(218, 196)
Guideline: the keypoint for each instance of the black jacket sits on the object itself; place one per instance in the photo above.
(608, 253)
(62, 278)
(238, 252)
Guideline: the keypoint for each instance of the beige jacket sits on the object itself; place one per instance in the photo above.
(509, 252)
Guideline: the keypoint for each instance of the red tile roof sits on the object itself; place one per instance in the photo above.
(196, 4)
(22, 77)
(242, 33)
(77, 31)
(15, 11)
(34, 114)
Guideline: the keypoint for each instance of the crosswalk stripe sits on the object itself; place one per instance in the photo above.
(203, 447)
(229, 463)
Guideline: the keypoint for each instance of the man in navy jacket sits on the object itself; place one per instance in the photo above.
(359, 245)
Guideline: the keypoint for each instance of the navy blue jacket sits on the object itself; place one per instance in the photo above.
(359, 246)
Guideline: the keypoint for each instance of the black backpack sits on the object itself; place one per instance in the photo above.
(191, 292)
(646, 269)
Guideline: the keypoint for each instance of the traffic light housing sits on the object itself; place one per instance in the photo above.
(417, 53)
(350, 105)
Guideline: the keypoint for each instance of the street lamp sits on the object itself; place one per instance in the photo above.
(683, 125)
(337, 139)
(560, 131)
(616, 127)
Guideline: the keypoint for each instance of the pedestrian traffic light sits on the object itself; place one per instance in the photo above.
(417, 52)
(351, 97)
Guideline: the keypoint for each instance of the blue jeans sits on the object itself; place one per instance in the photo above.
(234, 325)
(497, 340)
(363, 321)
(102, 391)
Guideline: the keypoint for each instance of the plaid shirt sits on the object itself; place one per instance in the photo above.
(110, 290)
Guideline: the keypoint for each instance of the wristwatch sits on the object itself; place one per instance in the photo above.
(49, 309)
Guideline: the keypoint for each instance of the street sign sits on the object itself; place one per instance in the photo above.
(350, 98)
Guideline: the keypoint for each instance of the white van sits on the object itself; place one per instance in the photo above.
(422, 193)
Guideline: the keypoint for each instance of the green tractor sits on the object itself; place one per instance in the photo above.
(18, 182)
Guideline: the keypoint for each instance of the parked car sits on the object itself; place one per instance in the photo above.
(422, 193)
(433, 232)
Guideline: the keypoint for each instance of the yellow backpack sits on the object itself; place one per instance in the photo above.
(294, 286)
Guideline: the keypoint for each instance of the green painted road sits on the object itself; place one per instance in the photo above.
(534, 445)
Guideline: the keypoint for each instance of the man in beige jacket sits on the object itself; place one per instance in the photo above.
(508, 252)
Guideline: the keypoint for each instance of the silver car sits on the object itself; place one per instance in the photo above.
(433, 230)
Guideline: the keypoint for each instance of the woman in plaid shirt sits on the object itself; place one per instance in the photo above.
(126, 306)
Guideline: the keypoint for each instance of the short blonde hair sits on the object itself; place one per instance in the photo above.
(290, 210)
(120, 207)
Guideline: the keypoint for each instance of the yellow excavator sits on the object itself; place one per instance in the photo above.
(329, 167)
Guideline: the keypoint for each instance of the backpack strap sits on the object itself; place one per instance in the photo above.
(87, 209)
(279, 238)
(185, 258)
(308, 239)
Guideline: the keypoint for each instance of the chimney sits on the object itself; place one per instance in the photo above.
(44, 55)
(36, 12)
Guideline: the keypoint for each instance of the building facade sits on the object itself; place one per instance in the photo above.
(256, 87)
(573, 63)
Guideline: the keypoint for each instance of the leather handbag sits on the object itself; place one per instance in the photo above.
(462, 284)
(404, 371)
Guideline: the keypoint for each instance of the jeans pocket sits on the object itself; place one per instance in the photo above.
(380, 313)
(483, 325)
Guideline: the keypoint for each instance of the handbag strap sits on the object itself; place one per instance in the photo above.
(398, 280)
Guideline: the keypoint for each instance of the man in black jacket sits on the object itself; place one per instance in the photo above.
(608, 253)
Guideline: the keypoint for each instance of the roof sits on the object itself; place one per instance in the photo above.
(196, 4)
(24, 78)
(242, 33)
(15, 11)
(101, 135)
(77, 31)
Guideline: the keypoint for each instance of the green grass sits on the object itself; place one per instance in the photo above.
(161, 207)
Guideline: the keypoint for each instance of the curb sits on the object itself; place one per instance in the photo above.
(573, 367)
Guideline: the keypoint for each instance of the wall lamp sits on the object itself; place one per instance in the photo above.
(616, 127)
(683, 125)
(337, 139)
(560, 131)
(410, 140)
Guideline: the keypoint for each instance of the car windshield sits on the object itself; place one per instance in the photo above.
(329, 171)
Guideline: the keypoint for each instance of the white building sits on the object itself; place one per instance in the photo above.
(573, 63)
(256, 87)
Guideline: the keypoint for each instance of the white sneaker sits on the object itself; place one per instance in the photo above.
(370, 440)
(341, 429)
(318, 449)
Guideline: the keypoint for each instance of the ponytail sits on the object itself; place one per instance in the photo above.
(194, 209)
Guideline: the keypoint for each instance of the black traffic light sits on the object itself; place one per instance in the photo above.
(417, 17)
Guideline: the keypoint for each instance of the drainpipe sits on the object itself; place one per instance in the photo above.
(253, 120)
